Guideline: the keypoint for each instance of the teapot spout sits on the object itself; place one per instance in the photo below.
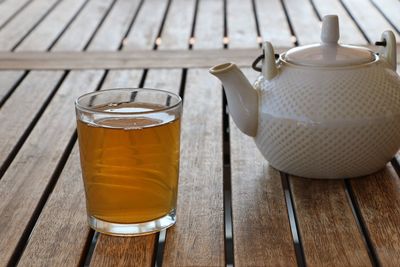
(242, 97)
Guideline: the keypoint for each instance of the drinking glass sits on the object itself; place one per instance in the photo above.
(129, 150)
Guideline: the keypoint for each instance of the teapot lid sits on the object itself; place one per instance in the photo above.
(329, 53)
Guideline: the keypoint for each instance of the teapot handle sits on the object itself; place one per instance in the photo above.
(389, 50)
(269, 69)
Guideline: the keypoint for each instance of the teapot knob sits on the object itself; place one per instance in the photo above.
(330, 29)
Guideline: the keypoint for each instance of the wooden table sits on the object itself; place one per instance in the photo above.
(233, 208)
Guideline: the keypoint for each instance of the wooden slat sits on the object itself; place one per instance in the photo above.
(177, 27)
(349, 33)
(7, 80)
(305, 23)
(175, 35)
(127, 59)
(198, 237)
(23, 22)
(164, 79)
(328, 230)
(145, 31)
(40, 155)
(116, 26)
(53, 25)
(23, 106)
(261, 230)
(125, 251)
(80, 29)
(273, 23)
(378, 199)
(241, 24)
(391, 10)
(122, 79)
(23, 184)
(32, 98)
(9, 8)
(369, 19)
(41, 38)
(209, 29)
(177, 58)
(200, 193)
(52, 236)
(21, 26)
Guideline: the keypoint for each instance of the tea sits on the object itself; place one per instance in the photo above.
(130, 165)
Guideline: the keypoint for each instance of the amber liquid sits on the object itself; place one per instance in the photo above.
(130, 166)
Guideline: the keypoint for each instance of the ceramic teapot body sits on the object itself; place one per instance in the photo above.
(320, 121)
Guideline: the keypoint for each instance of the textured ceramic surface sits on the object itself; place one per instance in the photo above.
(337, 123)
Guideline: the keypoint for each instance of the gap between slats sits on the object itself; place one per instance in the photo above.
(36, 24)
(60, 165)
(227, 161)
(15, 13)
(22, 77)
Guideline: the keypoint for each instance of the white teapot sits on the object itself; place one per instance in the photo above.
(321, 111)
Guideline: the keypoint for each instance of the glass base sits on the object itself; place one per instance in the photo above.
(132, 229)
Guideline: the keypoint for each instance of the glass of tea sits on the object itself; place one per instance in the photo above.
(129, 151)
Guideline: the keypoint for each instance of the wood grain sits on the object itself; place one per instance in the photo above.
(21, 24)
(9, 8)
(62, 220)
(124, 251)
(305, 23)
(39, 40)
(273, 28)
(115, 26)
(391, 10)
(52, 26)
(22, 107)
(7, 80)
(198, 237)
(144, 32)
(261, 230)
(138, 59)
(241, 24)
(81, 29)
(373, 28)
(209, 29)
(328, 230)
(28, 98)
(26, 179)
(378, 199)
(68, 193)
(39, 157)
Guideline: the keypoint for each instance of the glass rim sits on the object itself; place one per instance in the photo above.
(126, 89)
